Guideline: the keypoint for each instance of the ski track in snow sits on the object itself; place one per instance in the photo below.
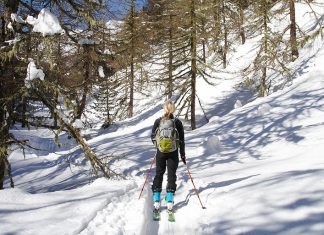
(113, 219)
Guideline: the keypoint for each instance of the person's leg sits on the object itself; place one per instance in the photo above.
(172, 164)
(160, 170)
(158, 179)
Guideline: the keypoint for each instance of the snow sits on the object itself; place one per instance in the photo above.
(36, 210)
(87, 41)
(101, 72)
(238, 104)
(33, 72)
(16, 18)
(258, 168)
(46, 23)
(78, 124)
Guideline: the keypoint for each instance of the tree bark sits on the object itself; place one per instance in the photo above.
(225, 37)
(2, 170)
(293, 34)
(6, 74)
(131, 82)
(217, 20)
(170, 65)
(3, 29)
(193, 47)
(262, 88)
(242, 30)
(87, 68)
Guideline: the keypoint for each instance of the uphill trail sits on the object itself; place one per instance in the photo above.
(126, 214)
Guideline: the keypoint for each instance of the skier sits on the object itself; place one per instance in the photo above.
(167, 155)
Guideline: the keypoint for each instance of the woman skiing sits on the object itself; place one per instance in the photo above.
(168, 137)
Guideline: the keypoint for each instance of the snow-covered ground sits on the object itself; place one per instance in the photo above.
(259, 168)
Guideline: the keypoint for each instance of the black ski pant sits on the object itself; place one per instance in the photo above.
(164, 161)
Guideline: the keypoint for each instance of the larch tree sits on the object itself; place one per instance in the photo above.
(18, 44)
(271, 56)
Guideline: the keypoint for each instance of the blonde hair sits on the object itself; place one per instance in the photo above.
(169, 108)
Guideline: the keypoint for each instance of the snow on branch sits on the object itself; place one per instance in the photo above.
(33, 73)
(46, 23)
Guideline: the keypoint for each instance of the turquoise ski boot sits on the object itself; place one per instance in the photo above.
(170, 201)
(157, 205)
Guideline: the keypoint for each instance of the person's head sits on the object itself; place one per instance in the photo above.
(169, 108)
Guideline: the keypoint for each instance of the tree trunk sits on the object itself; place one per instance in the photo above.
(262, 88)
(204, 38)
(193, 46)
(293, 34)
(131, 82)
(3, 29)
(217, 21)
(87, 68)
(5, 121)
(204, 50)
(59, 66)
(6, 74)
(131, 92)
(170, 65)
(225, 37)
(95, 162)
(2, 170)
(242, 30)
(107, 103)
(55, 124)
(24, 109)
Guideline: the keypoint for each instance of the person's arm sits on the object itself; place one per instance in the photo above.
(180, 129)
(155, 126)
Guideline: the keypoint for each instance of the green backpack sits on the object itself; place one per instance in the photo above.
(167, 136)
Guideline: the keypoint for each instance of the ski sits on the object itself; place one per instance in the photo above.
(171, 217)
(156, 215)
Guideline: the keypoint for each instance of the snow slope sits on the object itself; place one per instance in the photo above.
(258, 169)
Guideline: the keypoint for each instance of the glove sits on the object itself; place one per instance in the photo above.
(183, 158)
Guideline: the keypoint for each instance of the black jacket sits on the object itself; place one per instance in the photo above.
(179, 127)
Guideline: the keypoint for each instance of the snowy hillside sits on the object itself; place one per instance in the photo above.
(259, 168)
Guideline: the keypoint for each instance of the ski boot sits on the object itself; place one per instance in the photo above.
(170, 201)
(157, 205)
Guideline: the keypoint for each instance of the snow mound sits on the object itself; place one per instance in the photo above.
(238, 104)
(212, 144)
(264, 109)
(214, 119)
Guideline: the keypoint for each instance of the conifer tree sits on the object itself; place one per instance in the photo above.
(271, 53)
(14, 60)
(180, 51)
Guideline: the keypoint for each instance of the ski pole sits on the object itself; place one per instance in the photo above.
(195, 188)
(147, 175)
